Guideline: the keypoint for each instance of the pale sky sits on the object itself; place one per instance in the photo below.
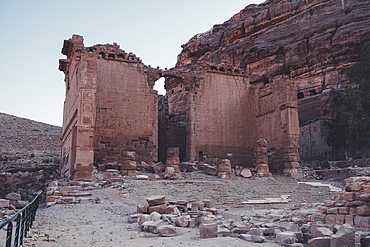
(32, 34)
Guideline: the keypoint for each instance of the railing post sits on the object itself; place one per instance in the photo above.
(16, 237)
(22, 227)
(9, 234)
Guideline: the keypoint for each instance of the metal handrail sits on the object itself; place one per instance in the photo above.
(24, 219)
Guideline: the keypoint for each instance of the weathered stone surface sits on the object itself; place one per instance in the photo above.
(153, 226)
(133, 218)
(21, 204)
(182, 221)
(319, 242)
(345, 236)
(161, 209)
(112, 175)
(286, 237)
(143, 218)
(224, 166)
(142, 208)
(363, 210)
(166, 231)
(156, 200)
(13, 196)
(208, 230)
(158, 167)
(169, 172)
(128, 165)
(246, 173)
(91, 103)
(4, 203)
(155, 216)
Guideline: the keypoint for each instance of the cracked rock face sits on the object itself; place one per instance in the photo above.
(285, 38)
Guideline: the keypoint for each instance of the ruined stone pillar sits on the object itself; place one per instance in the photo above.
(261, 159)
(173, 159)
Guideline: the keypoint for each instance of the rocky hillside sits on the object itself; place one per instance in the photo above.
(313, 41)
(29, 155)
(25, 138)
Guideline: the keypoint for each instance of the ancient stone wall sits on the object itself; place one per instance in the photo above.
(110, 107)
(226, 115)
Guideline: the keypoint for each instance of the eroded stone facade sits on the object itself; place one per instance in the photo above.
(222, 116)
(110, 107)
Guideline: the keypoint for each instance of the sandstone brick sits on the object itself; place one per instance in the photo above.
(343, 210)
(133, 218)
(166, 231)
(207, 203)
(128, 155)
(349, 219)
(158, 208)
(211, 170)
(143, 218)
(224, 166)
(156, 200)
(158, 167)
(153, 226)
(169, 172)
(208, 230)
(345, 236)
(339, 219)
(128, 165)
(173, 152)
(13, 196)
(142, 208)
(286, 237)
(363, 210)
(332, 211)
(330, 219)
(182, 221)
(319, 242)
(246, 173)
(349, 196)
(361, 221)
(4, 203)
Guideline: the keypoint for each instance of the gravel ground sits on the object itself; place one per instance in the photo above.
(105, 224)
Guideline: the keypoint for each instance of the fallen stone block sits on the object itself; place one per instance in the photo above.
(5, 203)
(246, 237)
(153, 227)
(142, 177)
(207, 203)
(155, 216)
(154, 177)
(145, 226)
(345, 236)
(161, 209)
(21, 204)
(142, 208)
(208, 230)
(256, 231)
(143, 218)
(211, 170)
(156, 200)
(321, 232)
(246, 173)
(133, 218)
(182, 221)
(166, 231)
(169, 172)
(257, 239)
(13, 196)
(319, 242)
(158, 167)
(286, 237)
(224, 166)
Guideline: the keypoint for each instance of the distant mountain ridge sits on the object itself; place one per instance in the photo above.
(24, 137)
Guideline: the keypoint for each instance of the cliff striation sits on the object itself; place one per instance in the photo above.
(309, 41)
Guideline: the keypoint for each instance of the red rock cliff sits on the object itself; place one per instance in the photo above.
(315, 39)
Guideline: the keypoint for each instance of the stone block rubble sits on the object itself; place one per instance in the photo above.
(72, 192)
(12, 203)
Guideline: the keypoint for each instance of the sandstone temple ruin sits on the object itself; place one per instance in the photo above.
(233, 85)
